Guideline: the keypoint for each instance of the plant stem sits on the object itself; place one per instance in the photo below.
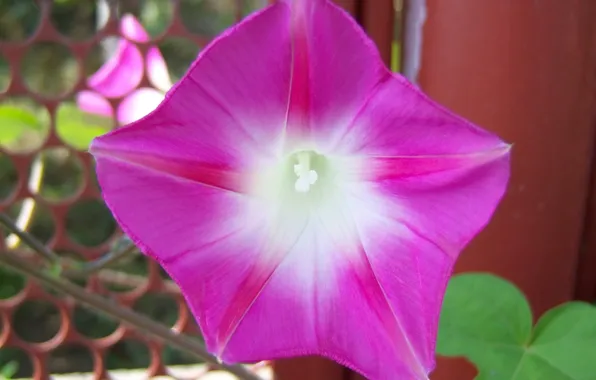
(29, 240)
(106, 260)
(113, 310)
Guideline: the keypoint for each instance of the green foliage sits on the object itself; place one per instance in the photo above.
(15, 121)
(488, 320)
(11, 283)
(8, 370)
(78, 128)
(14, 363)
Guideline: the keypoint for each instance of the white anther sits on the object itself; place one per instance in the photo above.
(306, 176)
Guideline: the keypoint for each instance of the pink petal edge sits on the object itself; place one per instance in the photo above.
(157, 70)
(132, 29)
(120, 74)
(92, 102)
(138, 104)
(335, 68)
(123, 71)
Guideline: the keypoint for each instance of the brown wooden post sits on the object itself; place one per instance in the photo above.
(526, 70)
(378, 18)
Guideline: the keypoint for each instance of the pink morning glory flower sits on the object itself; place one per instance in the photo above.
(122, 73)
(305, 199)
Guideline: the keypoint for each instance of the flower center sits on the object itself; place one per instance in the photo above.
(306, 176)
(301, 180)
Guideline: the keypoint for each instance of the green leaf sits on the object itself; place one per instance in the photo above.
(488, 320)
(78, 128)
(14, 121)
(8, 370)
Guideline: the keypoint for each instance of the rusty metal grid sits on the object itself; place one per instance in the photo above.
(27, 191)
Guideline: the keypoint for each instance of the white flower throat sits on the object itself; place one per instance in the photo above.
(302, 180)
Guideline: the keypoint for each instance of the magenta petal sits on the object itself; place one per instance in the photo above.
(157, 70)
(325, 298)
(138, 104)
(122, 72)
(199, 233)
(245, 73)
(448, 207)
(412, 272)
(438, 173)
(401, 167)
(94, 103)
(229, 109)
(132, 29)
(399, 120)
(335, 68)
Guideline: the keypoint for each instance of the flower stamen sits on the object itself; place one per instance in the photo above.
(306, 175)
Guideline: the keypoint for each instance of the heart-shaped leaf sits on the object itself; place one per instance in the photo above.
(488, 320)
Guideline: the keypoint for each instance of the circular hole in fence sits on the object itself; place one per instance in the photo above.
(18, 19)
(9, 178)
(178, 53)
(159, 307)
(89, 223)
(129, 273)
(126, 355)
(91, 324)
(154, 17)
(114, 67)
(208, 17)
(36, 321)
(15, 364)
(62, 174)
(49, 69)
(79, 122)
(71, 358)
(11, 283)
(5, 74)
(25, 125)
(33, 217)
(76, 20)
(182, 365)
